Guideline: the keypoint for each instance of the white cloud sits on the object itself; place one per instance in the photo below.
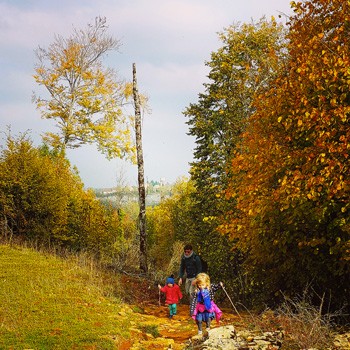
(173, 79)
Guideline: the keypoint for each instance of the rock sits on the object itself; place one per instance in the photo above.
(226, 338)
(157, 343)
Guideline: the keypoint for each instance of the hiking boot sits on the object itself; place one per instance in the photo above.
(200, 332)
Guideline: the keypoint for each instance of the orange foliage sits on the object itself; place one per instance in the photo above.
(291, 175)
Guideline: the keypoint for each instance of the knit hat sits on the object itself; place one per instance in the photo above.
(170, 280)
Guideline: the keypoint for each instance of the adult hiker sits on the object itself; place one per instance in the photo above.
(190, 266)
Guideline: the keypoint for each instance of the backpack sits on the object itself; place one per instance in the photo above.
(203, 263)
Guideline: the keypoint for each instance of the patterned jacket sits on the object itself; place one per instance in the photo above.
(213, 289)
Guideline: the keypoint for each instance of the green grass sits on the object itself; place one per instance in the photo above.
(50, 303)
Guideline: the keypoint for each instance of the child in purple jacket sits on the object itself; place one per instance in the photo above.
(203, 307)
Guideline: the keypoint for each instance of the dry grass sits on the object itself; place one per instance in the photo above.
(305, 325)
(53, 303)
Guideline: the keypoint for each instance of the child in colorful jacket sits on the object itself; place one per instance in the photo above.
(172, 295)
(203, 307)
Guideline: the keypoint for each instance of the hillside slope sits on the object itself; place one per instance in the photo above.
(51, 303)
(48, 303)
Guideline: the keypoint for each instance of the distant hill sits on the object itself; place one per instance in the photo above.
(155, 192)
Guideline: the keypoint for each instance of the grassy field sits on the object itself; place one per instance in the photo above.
(50, 303)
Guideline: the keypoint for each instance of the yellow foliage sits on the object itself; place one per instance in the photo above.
(85, 98)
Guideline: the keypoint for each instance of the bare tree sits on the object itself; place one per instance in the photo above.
(141, 178)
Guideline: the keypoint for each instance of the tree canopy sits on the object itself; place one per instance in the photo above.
(43, 200)
(291, 170)
(84, 98)
(250, 56)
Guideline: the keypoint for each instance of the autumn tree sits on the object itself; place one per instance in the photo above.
(241, 68)
(292, 168)
(168, 222)
(43, 201)
(84, 98)
(34, 190)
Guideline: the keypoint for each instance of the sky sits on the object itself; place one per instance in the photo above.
(169, 41)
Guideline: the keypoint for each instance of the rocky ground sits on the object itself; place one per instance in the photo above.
(155, 330)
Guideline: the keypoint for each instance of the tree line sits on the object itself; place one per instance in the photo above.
(271, 168)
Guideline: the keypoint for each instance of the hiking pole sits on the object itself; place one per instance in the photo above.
(230, 300)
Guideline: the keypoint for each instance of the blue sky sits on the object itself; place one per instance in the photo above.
(169, 40)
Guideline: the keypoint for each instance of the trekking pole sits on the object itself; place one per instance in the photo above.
(230, 300)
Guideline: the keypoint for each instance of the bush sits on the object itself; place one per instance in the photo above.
(305, 325)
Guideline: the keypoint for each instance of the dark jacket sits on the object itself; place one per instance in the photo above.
(191, 265)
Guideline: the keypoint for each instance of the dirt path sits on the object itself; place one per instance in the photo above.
(173, 333)
(154, 330)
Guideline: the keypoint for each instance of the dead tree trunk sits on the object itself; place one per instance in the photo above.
(141, 178)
